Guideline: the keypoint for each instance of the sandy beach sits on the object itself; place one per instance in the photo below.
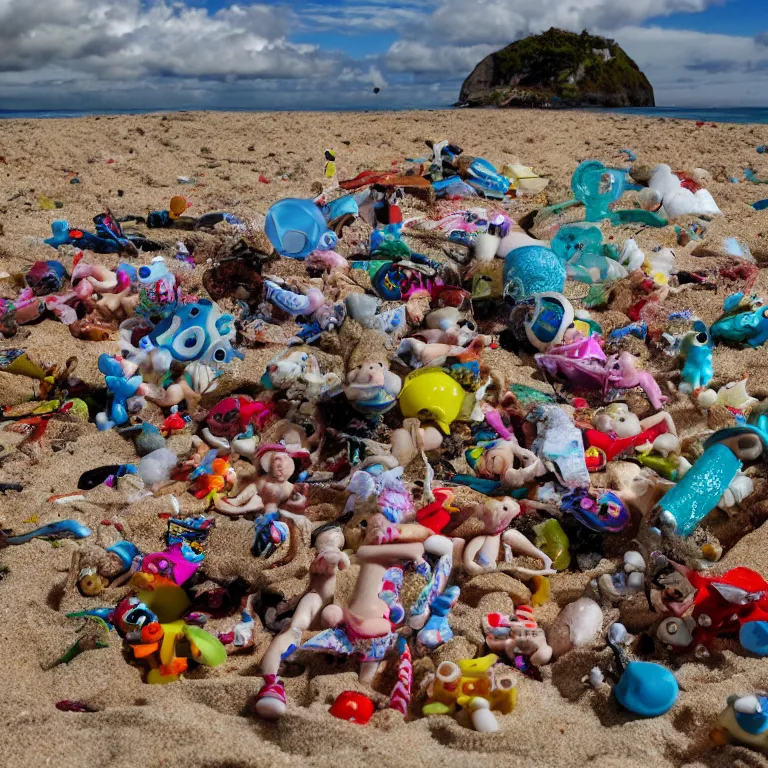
(131, 165)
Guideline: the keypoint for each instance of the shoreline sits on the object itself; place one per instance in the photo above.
(725, 115)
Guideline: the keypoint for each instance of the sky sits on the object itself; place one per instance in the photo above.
(314, 54)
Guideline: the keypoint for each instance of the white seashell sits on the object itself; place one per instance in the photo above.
(578, 624)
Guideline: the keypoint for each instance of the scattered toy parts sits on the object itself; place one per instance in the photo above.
(385, 458)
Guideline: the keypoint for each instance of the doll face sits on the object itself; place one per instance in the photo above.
(497, 460)
(498, 514)
(619, 420)
(367, 373)
(281, 466)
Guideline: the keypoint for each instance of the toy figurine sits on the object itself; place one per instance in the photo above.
(476, 685)
(230, 424)
(26, 308)
(123, 389)
(109, 237)
(745, 721)
(744, 321)
(505, 461)
(294, 303)
(696, 353)
(158, 293)
(94, 568)
(371, 387)
(298, 373)
(155, 642)
(417, 353)
(272, 490)
(482, 552)
(619, 432)
(582, 365)
(328, 540)
(197, 331)
(733, 603)
(517, 635)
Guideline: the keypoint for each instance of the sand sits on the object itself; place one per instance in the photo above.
(202, 720)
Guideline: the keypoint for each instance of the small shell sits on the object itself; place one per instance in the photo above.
(578, 624)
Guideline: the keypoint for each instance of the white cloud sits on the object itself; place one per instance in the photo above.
(175, 53)
(130, 39)
(694, 68)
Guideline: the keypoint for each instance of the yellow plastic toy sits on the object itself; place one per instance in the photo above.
(431, 394)
(476, 686)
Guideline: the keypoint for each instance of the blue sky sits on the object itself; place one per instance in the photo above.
(93, 54)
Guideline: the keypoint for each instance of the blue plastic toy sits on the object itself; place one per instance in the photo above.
(126, 551)
(437, 630)
(158, 295)
(753, 637)
(587, 259)
(597, 187)
(686, 504)
(486, 179)
(61, 529)
(696, 353)
(646, 689)
(744, 321)
(198, 331)
(296, 227)
(121, 388)
(532, 269)
(109, 236)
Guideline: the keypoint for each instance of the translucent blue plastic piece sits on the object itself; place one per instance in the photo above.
(597, 187)
(296, 227)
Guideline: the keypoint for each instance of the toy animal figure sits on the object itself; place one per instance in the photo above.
(122, 388)
(158, 292)
(745, 721)
(744, 321)
(109, 236)
(733, 603)
(197, 331)
(298, 373)
(481, 553)
(696, 353)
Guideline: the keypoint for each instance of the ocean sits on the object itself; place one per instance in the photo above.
(706, 114)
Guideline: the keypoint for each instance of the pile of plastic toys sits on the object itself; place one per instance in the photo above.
(386, 434)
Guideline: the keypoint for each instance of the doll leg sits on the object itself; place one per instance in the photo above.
(270, 700)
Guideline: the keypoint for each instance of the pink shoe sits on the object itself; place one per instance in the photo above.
(270, 700)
